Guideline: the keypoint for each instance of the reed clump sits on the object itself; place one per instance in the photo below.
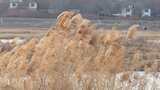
(72, 55)
(131, 34)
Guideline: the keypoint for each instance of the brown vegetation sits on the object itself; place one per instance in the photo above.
(132, 31)
(67, 58)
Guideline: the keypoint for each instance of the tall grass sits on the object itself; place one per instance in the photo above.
(73, 55)
(132, 31)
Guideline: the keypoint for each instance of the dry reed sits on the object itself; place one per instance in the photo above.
(132, 31)
(79, 59)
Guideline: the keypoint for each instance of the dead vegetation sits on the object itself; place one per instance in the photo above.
(73, 55)
(132, 31)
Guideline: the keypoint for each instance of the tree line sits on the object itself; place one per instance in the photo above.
(106, 7)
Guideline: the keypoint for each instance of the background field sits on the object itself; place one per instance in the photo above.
(28, 27)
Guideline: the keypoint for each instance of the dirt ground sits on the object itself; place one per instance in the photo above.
(28, 32)
(22, 32)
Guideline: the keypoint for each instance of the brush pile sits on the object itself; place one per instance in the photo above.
(72, 55)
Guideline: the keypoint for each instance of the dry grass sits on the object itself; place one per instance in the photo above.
(68, 57)
(132, 31)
